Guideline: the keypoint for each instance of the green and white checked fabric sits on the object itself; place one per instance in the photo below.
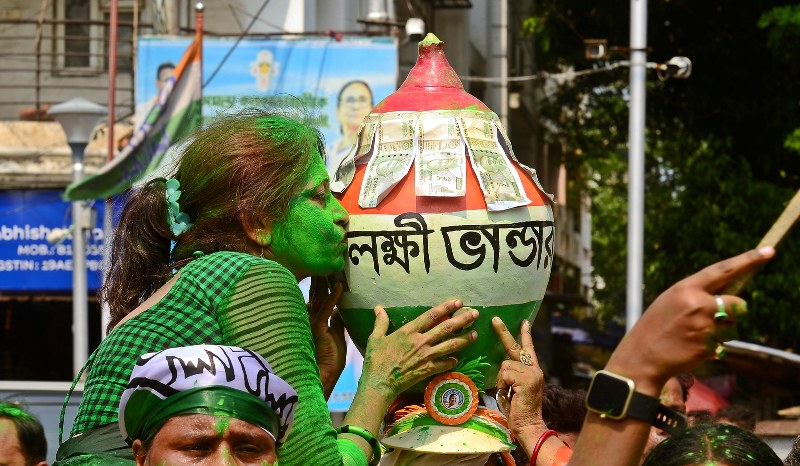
(226, 298)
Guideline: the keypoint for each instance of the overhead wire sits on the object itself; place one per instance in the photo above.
(236, 44)
(545, 75)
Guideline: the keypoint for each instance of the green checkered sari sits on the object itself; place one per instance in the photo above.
(232, 299)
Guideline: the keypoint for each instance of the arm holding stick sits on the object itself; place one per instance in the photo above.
(676, 334)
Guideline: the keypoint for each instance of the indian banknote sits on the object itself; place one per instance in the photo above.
(391, 159)
(501, 185)
(441, 166)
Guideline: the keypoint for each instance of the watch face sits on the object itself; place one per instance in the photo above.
(609, 395)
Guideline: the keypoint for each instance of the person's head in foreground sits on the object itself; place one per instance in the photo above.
(794, 456)
(22, 440)
(713, 445)
(699, 416)
(205, 405)
(253, 182)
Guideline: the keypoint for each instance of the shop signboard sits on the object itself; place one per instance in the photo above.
(28, 262)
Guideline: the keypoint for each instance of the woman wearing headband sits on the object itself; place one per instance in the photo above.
(214, 254)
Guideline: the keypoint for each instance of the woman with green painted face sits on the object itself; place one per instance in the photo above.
(213, 255)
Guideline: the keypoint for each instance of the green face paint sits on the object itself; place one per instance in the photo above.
(310, 240)
(222, 425)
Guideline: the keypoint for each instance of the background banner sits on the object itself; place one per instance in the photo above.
(27, 261)
(311, 74)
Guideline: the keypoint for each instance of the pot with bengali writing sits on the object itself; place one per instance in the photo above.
(441, 208)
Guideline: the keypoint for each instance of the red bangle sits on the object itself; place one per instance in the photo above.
(547, 434)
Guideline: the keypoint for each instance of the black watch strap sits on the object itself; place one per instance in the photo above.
(650, 410)
(670, 421)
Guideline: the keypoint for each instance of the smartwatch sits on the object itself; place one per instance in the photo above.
(615, 397)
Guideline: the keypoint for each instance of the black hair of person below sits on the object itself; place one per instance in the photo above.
(717, 443)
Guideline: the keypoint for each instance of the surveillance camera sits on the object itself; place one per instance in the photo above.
(596, 49)
(679, 67)
(415, 29)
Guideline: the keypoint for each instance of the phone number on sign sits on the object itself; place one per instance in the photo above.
(57, 250)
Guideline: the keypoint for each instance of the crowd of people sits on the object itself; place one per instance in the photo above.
(214, 357)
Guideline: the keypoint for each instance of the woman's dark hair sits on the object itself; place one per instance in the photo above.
(242, 168)
(686, 381)
(563, 409)
(722, 443)
(739, 415)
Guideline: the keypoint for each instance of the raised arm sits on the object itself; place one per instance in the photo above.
(395, 362)
(679, 330)
(522, 374)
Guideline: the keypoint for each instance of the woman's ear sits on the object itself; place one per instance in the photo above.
(139, 452)
(259, 231)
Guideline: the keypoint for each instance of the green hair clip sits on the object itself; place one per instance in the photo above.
(178, 221)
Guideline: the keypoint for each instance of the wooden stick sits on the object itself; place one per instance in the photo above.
(774, 236)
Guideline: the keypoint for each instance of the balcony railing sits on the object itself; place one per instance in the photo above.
(47, 61)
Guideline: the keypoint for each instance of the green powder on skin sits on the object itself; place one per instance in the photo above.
(308, 240)
(223, 424)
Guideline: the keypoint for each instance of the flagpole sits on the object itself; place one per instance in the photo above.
(105, 316)
(198, 31)
(198, 36)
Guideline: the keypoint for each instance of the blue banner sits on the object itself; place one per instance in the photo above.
(27, 261)
(336, 83)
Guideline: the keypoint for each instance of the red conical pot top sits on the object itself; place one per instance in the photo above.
(432, 84)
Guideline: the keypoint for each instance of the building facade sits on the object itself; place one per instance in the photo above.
(55, 50)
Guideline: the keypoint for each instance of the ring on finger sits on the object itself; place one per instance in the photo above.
(525, 358)
(721, 315)
(719, 351)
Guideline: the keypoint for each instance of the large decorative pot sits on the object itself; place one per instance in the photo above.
(440, 208)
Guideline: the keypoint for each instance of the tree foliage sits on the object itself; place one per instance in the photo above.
(722, 147)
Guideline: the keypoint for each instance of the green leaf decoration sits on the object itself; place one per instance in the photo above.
(473, 368)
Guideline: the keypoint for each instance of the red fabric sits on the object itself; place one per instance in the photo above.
(701, 396)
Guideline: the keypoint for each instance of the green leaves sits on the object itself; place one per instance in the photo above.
(535, 26)
(782, 24)
(721, 147)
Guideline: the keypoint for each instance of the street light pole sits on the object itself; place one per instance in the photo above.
(636, 129)
(78, 117)
(80, 288)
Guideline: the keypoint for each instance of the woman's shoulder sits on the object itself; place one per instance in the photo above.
(229, 259)
(233, 263)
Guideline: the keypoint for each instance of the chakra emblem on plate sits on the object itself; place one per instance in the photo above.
(451, 398)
